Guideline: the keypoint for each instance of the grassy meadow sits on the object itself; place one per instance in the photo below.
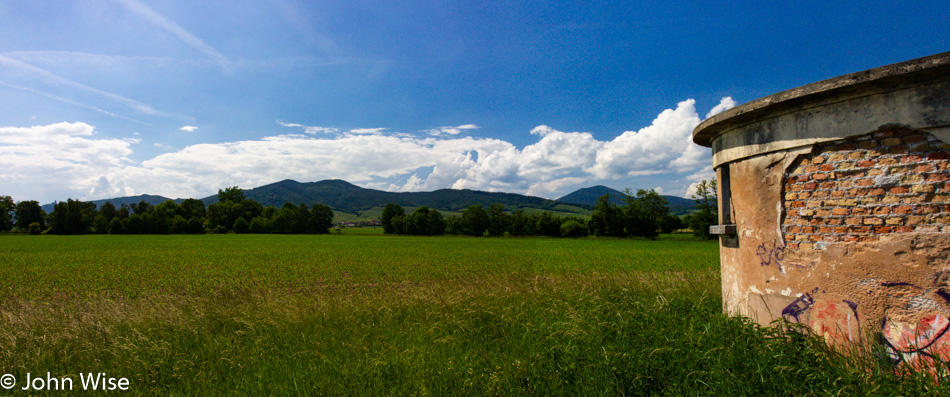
(371, 314)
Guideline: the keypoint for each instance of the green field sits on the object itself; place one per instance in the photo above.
(382, 315)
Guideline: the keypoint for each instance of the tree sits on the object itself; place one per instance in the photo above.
(7, 209)
(321, 219)
(453, 225)
(435, 223)
(29, 212)
(241, 226)
(644, 212)
(706, 203)
(474, 220)
(391, 211)
(670, 223)
(517, 224)
(573, 228)
(108, 210)
(497, 220)
(606, 219)
(549, 225)
(233, 194)
(72, 217)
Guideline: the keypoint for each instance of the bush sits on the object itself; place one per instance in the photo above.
(573, 228)
(34, 228)
(241, 226)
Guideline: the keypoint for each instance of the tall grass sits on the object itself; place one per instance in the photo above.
(381, 315)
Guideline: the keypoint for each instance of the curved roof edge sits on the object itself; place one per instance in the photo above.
(880, 79)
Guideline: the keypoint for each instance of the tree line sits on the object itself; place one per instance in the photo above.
(641, 214)
(232, 213)
(644, 214)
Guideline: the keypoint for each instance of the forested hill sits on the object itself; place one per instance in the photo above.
(346, 197)
(588, 197)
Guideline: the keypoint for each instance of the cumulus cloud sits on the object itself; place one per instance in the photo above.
(724, 105)
(40, 160)
(189, 128)
(69, 154)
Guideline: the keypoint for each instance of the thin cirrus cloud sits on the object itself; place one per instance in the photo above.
(159, 20)
(86, 167)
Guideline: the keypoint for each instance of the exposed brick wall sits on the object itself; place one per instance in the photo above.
(863, 187)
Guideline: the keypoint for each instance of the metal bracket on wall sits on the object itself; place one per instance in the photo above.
(722, 230)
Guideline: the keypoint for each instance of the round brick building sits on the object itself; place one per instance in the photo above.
(834, 204)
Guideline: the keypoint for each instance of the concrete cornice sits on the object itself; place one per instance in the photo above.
(898, 76)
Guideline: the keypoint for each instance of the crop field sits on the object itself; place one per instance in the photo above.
(370, 314)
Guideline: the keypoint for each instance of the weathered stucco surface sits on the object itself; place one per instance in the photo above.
(840, 196)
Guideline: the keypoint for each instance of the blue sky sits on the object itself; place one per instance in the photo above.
(180, 98)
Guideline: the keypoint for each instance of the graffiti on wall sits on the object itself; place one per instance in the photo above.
(834, 319)
(922, 345)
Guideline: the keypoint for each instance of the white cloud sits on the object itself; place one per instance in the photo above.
(68, 157)
(725, 104)
(442, 131)
(310, 129)
(658, 190)
(367, 131)
(189, 128)
(63, 158)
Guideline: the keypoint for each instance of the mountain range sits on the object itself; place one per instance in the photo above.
(351, 202)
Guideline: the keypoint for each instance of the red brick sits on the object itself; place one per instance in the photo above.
(842, 193)
(873, 221)
(905, 229)
(830, 239)
(829, 185)
(938, 156)
(798, 204)
(850, 239)
(827, 167)
(834, 221)
(808, 230)
(793, 246)
(925, 168)
(811, 168)
(897, 149)
(815, 237)
(803, 178)
(858, 192)
(882, 229)
(866, 163)
(824, 230)
(910, 159)
(865, 182)
(860, 229)
(853, 220)
(899, 190)
(941, 177)
(795, 229)
(904, 209)
(894, 221)
(859, 211)
(882, 210)
(841, 229)
(867, 144)
(876, 192)
(840, 211)
(819, 177)
(818, 160)
(810, 186)
(886, 161)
